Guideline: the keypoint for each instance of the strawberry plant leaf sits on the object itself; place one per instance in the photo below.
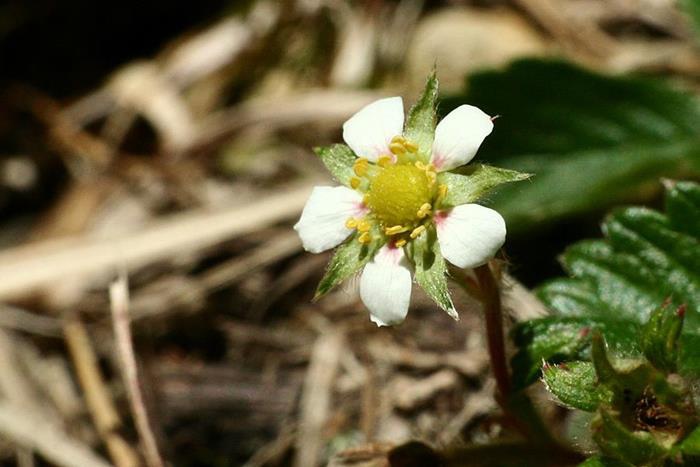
(590, 139)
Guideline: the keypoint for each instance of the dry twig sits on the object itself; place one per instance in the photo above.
(119, 300)
(37, 433)
(25, 268)
(99, 401)
(316, 398)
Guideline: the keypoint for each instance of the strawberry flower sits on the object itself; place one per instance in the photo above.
(404, 209)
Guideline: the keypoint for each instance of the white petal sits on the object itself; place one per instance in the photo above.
(458, 137)
(470, 234)
(385, 286)
(370, 130)
(322, 223)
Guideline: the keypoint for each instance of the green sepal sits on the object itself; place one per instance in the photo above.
(473, 182)
(431, 270)
(422, 118)
(575, 385)
(349, 258)
(615, 440)
(602, 461)
(659, 338)
(339, 160)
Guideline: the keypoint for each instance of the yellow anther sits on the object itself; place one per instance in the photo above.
(442, 191)
(417, 231)
(400, 243)
(384, 161)
(411, 146)
(424, 210)
(360, 167)
(364, 238)
(364, 225)
(351, 223)
(365, 199)
(399, 139)
(355, 182)
(396, 229)
(420, 166)
(432, 177)
(397, 148)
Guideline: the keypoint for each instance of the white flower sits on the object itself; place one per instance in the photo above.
(396, 196)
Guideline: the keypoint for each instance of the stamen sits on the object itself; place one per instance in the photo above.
(355, 182)
(400, 243)
(396, 229)
(384, 161)
(417, 231)
(420, 166)
(411, 146)
(397, 148)
(432, 177)
(351, 223)
(399, 140)
(364, 238)
(365, 199)
(364, 225)
(442, 191)
(360, 167)
(424, 210)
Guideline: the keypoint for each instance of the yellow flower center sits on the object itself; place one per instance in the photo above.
(398, 193)
(401, 193)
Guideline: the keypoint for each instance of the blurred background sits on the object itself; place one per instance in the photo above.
(172, 142)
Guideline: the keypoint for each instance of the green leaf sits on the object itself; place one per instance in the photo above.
(557, 339)
(630, 380)
(601, 461)
(691, 444)
(664, 252)
(690, 354)
(616, 441)
(478, 180)
(647, 258)
(683, 207)
(692, 7)
(431, 270)
(659, 338)
(349, 258)
(604, 370)
(339, 160)
(592, 140)
(422, 118)
(575, 384)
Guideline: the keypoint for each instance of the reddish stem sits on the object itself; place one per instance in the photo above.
(491, 298)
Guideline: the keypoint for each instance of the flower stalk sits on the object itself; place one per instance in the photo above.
(517, 408)
(493, 315)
